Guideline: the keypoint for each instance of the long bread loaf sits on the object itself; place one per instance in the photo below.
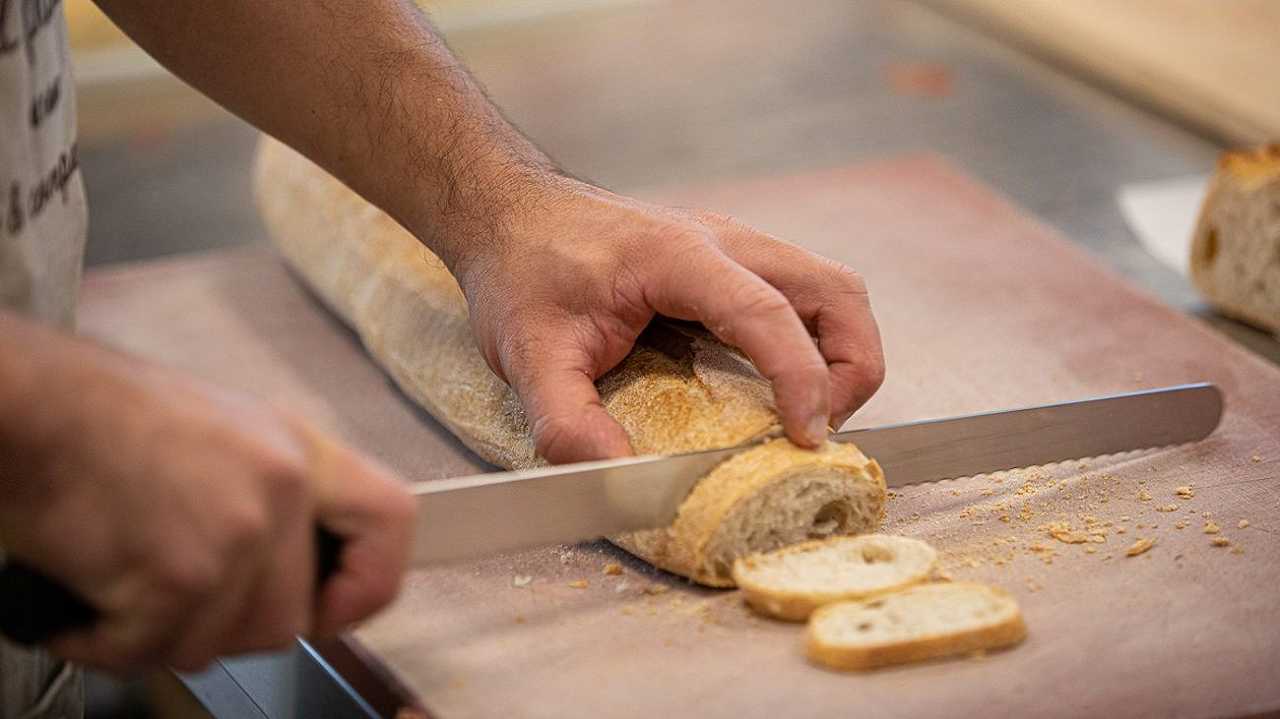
(679, 389)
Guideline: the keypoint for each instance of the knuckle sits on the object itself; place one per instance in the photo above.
(244, 528)
(286, 478)
(551, 433)
(846, 278)
(191, 579)
(755, 300)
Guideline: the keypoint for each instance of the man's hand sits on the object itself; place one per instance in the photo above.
(561, 291)
(560, 276)
(184, 514)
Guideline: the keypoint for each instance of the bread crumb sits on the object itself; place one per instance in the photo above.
(1144, 495)
(1256, 458)
(1243, 523)
(1090, 550)
(521, 580)
(1139, 547)
(1211, 528)
(1120, 530)
(1220, 541)
(1185, 491)
(1180, 525)
(612, 568)
(1033, 585)
(656, 589)
(1237, 550)
(1171, 507)
(578, 584)
(621, 587)
(1063, 532)
(1124, 518)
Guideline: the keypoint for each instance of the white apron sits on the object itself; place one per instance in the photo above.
(42, 232)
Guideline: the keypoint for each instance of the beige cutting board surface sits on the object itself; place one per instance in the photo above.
(981, 307)
(1214, 63)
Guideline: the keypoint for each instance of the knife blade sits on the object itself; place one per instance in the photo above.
(484, 514)
(490, 513)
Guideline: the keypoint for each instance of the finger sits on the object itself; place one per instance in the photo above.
(833, 302)
(124, 642)
(745, 311)
(210, 626)
(283, 589)
(370, 510)
(556, 386)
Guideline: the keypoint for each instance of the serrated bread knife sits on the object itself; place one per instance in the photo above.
(488, 513)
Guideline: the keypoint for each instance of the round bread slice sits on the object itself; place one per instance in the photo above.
(791, 582)
(763, 498)
(926, 621)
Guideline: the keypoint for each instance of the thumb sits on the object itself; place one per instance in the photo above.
(569, 422)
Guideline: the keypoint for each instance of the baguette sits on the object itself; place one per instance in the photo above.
(927, 621)
(790, 583)
(679, 390)
(1235, 252)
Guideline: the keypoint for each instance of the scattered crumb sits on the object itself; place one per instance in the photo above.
(1033, 585)
(1139, 547)
(1220, 541)
(1211, 528)
(612, 568)
(1243, 523)
(621, 587)
(1120, 530)
(578, 584)
(1180, 525)
(1144, 495)
(1167, 508)
(1063, 532)
(656, 589)
(1237, 550)
(1090, 550)
(1185, 491)
(1124, 518)
(521, 580)
(1256, 458)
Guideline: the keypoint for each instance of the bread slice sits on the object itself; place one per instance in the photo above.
(791, 582)
(1235, 253)
(679, 390)
(761, 499)
(926, 621)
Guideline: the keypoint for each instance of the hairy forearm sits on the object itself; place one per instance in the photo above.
(366, 89)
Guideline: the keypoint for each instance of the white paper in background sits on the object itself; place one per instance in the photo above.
(1163, 215)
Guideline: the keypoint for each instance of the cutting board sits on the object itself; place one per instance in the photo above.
(1211, 63)
(981, 307)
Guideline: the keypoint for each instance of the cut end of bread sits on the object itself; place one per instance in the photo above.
(792, 582)
(927, 621)
(764, 498)
(1235, 254)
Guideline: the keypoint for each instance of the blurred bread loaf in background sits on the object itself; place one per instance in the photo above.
(1235, 251)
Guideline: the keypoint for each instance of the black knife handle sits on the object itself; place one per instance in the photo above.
(35, 608)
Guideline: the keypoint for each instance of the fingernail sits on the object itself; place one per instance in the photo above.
(817, 430)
